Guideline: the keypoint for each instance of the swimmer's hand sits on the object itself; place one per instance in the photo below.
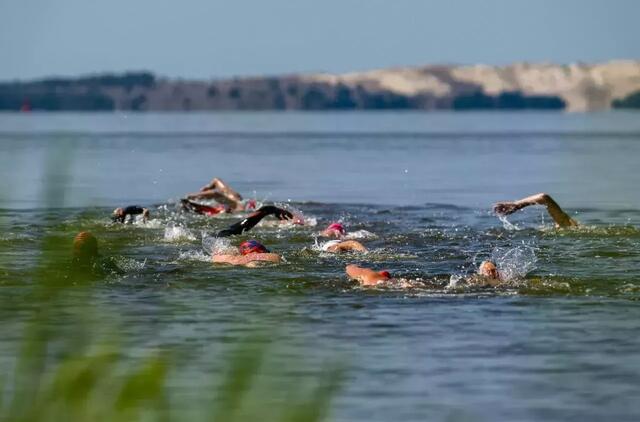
(279, 213)
(506, 208)
(253, 219)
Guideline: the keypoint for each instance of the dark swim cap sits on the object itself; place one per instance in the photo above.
(337, 227)
(252, 246)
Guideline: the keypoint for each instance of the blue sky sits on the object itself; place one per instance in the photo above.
(213, 39)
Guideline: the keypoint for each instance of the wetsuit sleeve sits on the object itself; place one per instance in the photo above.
(133, 210)
(253, 219)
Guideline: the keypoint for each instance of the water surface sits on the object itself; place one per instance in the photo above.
(558, 343)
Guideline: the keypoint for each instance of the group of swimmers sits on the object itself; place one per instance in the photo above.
(252, 253)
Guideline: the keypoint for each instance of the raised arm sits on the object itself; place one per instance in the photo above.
(560, 217)
(218, 184)
(215, 195)
(253, 219)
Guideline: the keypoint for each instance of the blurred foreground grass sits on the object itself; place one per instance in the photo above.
(72, 366)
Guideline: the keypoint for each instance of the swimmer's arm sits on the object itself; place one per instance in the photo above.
(250, 260)
(212, 194)
(253, 219)
(364, 276)
(347, 246)
(228, 259)
(560, 217)
(222, 187)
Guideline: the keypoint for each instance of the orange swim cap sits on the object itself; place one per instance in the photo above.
(85, 246)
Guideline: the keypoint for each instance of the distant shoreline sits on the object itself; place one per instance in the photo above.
(521, 86)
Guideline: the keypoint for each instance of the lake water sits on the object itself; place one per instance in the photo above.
(560, 342)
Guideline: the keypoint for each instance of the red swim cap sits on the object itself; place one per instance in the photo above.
(337, 227)
(207, 210)
(250, 205)
(385, 274)
(252, 246)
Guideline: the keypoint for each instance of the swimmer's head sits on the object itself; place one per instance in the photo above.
(85, 247)
(251, 204)
(335, 230)
(118, 213)
(252, 246)
(488, 269)
(385, 274)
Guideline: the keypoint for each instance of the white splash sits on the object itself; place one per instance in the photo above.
(361, 234)
(173, 233)
(129, 264)
(193, 255)
(453, 281)
(506, 223)
(515, 263)
(149, 224)
(217, 245)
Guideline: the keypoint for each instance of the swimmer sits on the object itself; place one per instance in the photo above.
(366, 276)
(254, 218)
(249, 254)
(120, 214)
(338, 246)
(222, 193)
(560, 217)
(86, 259)
(189, 205)
(336, 230)
(85, 248)
(488, 275)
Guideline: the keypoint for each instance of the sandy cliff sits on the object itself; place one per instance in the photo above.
(574, 87)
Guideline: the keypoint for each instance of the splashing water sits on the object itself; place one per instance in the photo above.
(216, 245)
(514, 263)
(299, 219)
(193, 256)
(129, 264)
(361, 234)
(173, 233)
(149, 224)
(454, 280)
(506, 223)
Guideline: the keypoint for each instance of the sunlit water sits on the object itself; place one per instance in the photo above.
(559, 341)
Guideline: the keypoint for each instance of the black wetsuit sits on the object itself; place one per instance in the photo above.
(130, 210)
(253, 219)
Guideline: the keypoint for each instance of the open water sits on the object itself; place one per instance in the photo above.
(559, 341)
